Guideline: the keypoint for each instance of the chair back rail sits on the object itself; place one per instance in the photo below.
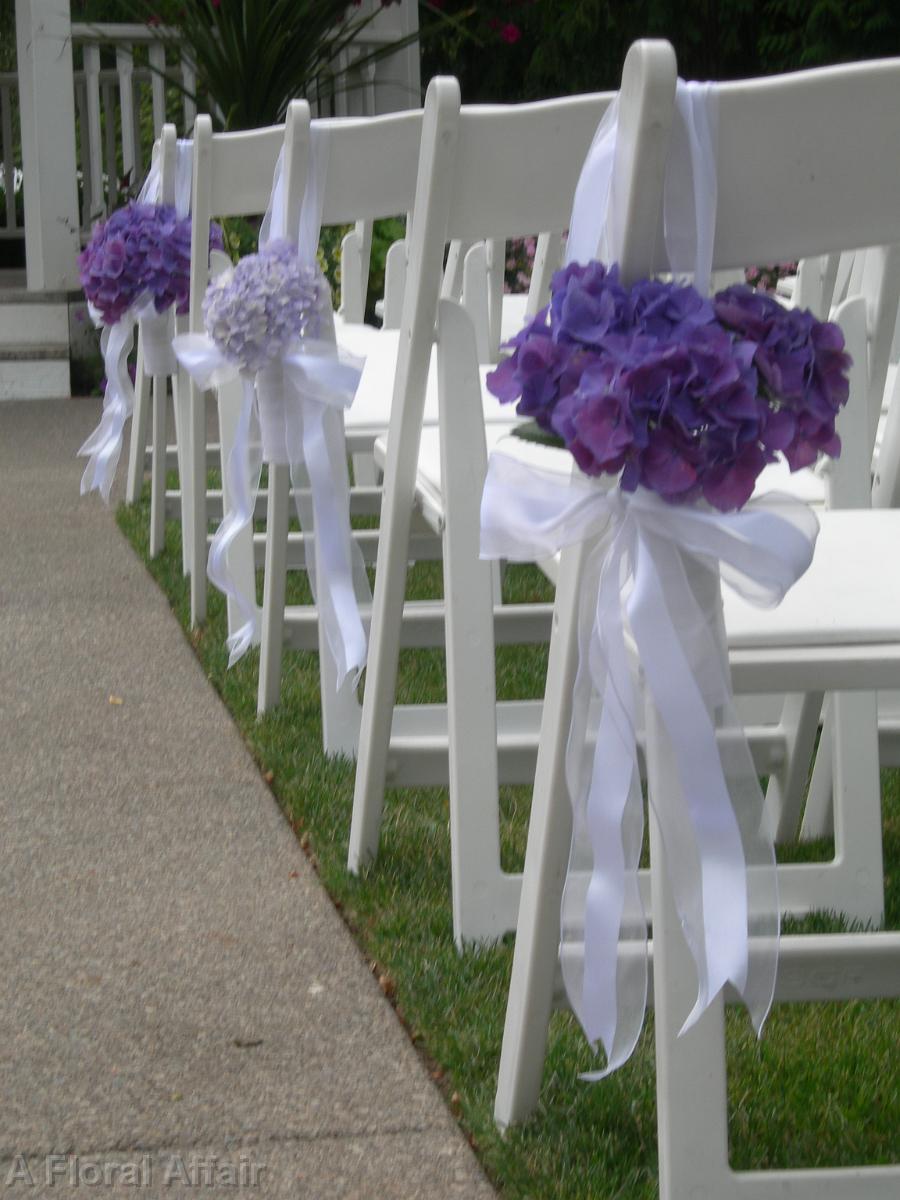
(794, 144)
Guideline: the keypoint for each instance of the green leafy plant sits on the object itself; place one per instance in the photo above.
(253, 56)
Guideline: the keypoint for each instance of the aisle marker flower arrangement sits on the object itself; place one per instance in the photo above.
(269, 321)
(679, 401)
(136, 267)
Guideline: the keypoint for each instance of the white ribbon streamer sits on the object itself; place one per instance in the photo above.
(291, 413)
(652, 579)
(104, 446)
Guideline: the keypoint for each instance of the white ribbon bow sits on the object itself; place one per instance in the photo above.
(654, 574)
(104, 446)
(291, 413)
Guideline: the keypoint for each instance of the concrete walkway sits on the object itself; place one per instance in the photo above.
(181, 1009)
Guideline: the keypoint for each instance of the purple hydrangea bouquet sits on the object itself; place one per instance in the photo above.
(683, 400)
(687, 396)
(136, 267)
(141, 252)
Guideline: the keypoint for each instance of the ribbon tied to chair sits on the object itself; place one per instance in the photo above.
(650, 599)
(292, 413)
(104, 446)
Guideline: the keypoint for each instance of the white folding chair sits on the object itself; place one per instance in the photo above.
(829, 634)
(476, 182)
(369, 171)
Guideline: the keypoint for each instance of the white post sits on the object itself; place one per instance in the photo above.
(47, 113)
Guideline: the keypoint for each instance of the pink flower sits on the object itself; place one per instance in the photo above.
(510, 33)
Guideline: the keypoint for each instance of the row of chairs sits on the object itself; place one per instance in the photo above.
(468, 178)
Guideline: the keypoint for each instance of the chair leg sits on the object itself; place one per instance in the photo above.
(787, 785)
(857, 806)
(536, 955)
(484, 899)
(137, 446)
(693, 1137)
(274, 583)
(384, 645)
(341, 710)
(365, 472)
(181, 406)
(818, 815)
(158, 469)
(195, 484)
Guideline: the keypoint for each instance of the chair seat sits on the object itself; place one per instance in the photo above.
(371, 408)
(829, 604)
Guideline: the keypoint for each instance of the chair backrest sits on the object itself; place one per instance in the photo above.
(808, 163)
(371, 174)
(168, 140)
(232, 176)
(372, 165)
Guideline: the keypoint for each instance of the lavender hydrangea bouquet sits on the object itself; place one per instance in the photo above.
(269, 322)
(682, 400)
(270, 300)
(136, 267)
(686, 396)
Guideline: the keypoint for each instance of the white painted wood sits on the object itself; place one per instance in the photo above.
(158, 468)
(34, 325)
(47, 124)
(91, 60)
(41, 379)
(156, 55)
(274, 585)
(125, 71)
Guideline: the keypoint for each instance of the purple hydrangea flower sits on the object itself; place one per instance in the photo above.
(802, 366)
(683, 395)
(268, 301)
(141, 250)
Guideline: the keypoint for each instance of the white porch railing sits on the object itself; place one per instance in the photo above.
(125, 81)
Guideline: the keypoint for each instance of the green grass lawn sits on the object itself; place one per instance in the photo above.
(821, 1089)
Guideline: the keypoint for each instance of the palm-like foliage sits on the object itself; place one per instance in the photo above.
(253, 56)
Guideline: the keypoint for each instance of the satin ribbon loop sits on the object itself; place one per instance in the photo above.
(690, 189)
(292, 414)
(651, 601)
